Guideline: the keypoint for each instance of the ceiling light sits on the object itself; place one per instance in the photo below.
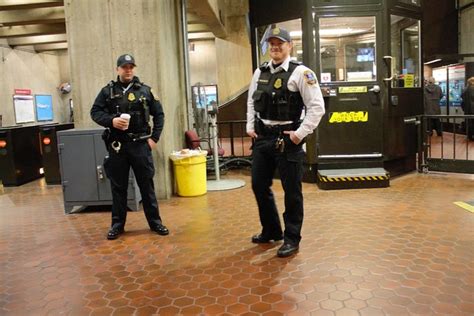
(296, 33)
(433, 61)
(339, 32)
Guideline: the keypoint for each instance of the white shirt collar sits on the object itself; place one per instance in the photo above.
(284, 65)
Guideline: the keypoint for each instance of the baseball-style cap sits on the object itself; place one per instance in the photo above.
(279, 33)
(125, 59)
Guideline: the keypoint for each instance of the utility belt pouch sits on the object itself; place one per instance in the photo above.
(259, 101)
(106, 135)
(259, 127)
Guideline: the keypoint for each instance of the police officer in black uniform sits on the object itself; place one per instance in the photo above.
(285, 104)
(130, 142)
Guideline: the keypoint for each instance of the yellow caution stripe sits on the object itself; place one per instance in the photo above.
(467, 207)
(348, 179)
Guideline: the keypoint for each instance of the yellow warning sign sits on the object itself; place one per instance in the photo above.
(409, 80)
(358, 89)
(347, 117)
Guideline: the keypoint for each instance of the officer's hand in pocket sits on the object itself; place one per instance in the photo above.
(151, 143)
(252, 134)
(293, 137)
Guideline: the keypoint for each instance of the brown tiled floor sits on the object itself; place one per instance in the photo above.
(401, 250)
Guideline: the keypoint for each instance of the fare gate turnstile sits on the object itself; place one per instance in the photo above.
(20, 155)
(49, 149)
(367, 56)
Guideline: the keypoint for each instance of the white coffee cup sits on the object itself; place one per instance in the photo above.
(125, 116)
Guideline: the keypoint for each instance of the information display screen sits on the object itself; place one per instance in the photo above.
(44, 107)
(205, 96)
(365, 54)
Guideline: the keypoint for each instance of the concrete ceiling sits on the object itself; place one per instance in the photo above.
(37, 23)
(204, 20)
(41, 23)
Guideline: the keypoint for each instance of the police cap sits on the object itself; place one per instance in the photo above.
(125, 59)
(280, 33)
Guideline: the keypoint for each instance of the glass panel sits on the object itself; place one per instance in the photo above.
(347, 49)
(405, 43)
(292, 26)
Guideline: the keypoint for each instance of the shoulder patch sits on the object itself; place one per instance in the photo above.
(309, 77)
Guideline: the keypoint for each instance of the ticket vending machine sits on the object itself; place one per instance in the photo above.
(367, 56)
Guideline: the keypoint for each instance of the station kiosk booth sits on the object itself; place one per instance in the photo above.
(367, 57)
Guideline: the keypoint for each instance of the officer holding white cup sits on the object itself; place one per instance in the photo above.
(124, 107)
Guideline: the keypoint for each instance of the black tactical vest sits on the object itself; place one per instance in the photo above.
(273, 100)
(133, 102)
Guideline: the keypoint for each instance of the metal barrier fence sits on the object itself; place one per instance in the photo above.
(445, 142)
(233, 138)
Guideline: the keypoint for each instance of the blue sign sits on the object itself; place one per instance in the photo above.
(44, 107)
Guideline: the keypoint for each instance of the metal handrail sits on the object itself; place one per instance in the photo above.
(234, 97)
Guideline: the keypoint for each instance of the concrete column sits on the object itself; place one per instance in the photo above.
(101, 30)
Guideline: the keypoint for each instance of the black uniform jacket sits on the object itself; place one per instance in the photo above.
(104, 109)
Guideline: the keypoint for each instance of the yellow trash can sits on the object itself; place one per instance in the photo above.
(190, 174)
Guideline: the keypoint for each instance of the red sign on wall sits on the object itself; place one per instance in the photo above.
(23, 91)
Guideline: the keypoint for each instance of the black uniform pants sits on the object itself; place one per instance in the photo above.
(117, 167)
(265, 159)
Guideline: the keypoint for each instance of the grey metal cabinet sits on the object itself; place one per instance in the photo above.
(81, 158)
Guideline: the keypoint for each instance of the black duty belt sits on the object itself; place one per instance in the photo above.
(116, 141)
(129, 137)
(274, 129)
(138, 136)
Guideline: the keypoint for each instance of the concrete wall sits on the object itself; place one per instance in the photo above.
(466, 26)
(203, 62)
(64, 71)
(65, 76)
(226, 62)
(101, 30)
(26, 69)
(234, 58)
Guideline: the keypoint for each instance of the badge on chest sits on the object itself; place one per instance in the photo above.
(278, 83)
